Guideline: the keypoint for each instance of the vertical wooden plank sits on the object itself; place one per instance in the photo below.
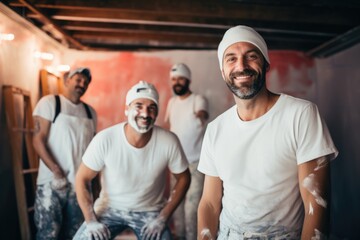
(44, 82)
(29, 126)
(50, 83)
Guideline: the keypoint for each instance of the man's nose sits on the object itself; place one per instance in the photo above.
(144, 112)
(241, 64)
(82, 83)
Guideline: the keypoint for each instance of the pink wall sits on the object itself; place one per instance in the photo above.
(113, 74)
(293, 73)
(113, 77)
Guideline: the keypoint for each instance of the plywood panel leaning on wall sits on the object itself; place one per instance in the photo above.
(18, 111)
(50, 83)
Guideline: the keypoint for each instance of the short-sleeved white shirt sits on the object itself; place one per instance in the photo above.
(134, 179)
(68, 137)
(257, 161)
(181, 114)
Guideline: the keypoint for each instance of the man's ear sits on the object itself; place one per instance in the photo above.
(66, 80)
(126, 110)
(222, 74)
(267, 66)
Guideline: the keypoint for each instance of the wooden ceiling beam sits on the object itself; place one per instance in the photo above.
(191, 10)
(149, 36)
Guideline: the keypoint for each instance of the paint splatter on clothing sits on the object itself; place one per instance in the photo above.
(266, 231)
(231, 234)
(57, 213)
(117, 221)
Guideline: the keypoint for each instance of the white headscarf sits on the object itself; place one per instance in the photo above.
(242, 34)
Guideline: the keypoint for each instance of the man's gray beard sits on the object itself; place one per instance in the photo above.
(251, 92)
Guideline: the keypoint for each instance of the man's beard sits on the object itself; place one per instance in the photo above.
(246, 91)
(181, 89)
(133, 121)
(80, 90)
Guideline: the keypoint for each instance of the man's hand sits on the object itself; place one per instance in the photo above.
(153, 229)
(97, 230)
(59, 183)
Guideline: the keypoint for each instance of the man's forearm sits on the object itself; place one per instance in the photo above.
(316, 223)
(47, 157)
(208, 222)
(314, 183)
(177, 194)
(85, 200)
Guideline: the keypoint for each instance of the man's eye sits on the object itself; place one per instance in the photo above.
(252, 57)
(231, 59)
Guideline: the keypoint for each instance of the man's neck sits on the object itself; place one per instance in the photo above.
(250, 109)
(187, 94)
(136, 139)
(71, 98)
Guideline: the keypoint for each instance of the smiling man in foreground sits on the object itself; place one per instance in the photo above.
(266, 159)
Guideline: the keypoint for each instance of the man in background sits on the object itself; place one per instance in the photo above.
(186, 115)
(64, 126)
(133, 158)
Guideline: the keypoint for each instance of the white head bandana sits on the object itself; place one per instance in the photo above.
(242, 34)
(142, 90)
(180, 70)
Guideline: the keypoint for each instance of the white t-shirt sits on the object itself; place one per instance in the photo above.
(69, 135)
(257, 161)
(134, 178)
(180, 113)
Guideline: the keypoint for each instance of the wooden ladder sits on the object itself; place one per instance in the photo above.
(18, 112)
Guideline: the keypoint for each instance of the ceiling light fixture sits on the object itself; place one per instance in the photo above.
(63, 68)
(7, 36)
(44, 55)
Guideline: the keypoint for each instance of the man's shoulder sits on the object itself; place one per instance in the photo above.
(295, 102)
(113, 128)
(164, 132)
(232, 110)
(198, 95)
(171, 101)
(46, 102)
(92, 109)
(48, 98)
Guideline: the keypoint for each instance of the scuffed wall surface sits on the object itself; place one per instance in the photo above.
(114, 73)
(338, 97)
(293, 73)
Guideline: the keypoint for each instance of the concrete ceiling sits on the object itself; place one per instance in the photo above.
(319, 28)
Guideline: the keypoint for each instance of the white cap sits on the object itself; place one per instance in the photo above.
(180, 70)
(142, 90)
(242, 34)
(85, 71)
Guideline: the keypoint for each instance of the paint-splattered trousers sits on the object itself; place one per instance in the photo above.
(57, 213)
(229, 231)
(231, 234)
(117, 221)
(185, 216)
